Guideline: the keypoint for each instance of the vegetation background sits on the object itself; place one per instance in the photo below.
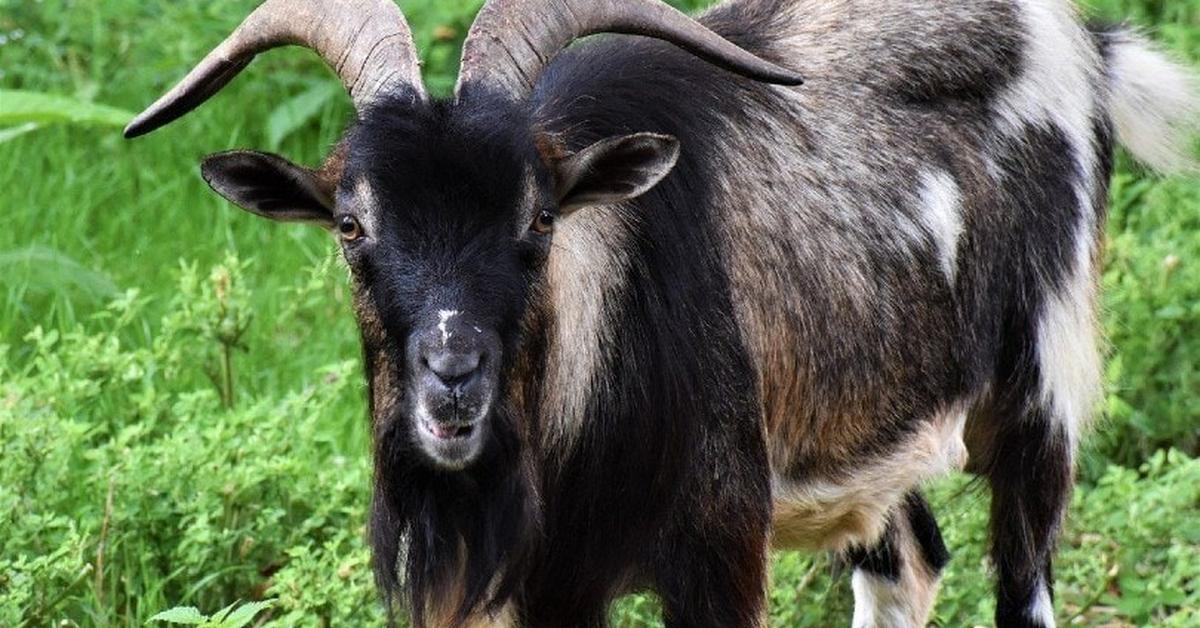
(181, 406)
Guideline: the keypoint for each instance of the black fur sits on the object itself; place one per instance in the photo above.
(885, 559)
(446, 242)
(1030, 489)
(926, 532)
(1030, 466)
(680, 395)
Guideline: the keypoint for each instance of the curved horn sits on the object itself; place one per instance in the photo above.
(511, 41)
(366, 42)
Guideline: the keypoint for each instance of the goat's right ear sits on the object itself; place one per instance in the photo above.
(613, 170)
(271, 186)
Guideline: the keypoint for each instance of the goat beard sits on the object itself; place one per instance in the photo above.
(450, 544)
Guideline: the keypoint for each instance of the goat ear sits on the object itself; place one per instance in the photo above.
(613, 170)
(271, 186)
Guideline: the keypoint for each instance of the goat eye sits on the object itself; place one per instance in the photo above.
(544, 223)
(349, 228)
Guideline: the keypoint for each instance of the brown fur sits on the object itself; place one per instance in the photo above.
(854, 510)
(329, 175)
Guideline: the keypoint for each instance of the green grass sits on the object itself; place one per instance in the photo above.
(112, 363)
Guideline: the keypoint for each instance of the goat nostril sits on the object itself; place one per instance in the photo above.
(453, 369)
(451, 381)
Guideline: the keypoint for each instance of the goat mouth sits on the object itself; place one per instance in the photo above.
(448, 432)
(452, 443)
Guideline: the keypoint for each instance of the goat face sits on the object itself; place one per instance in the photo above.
(445, 215)
(437, 223)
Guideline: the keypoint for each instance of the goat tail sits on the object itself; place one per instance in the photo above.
(1154, 101)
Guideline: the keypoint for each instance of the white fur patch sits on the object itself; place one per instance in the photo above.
(1155, 104)
(1068, 354)
(367, 205)
(941, 218)
(1042, 610)
(904, 602)
(1059, 87)
(587, 270)
(1061, 72)
(877, 602)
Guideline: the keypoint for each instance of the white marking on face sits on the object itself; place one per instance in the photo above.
(529, 192)
(445, 316)
(422, 411)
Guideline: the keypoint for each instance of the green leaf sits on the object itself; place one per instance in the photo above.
(19, 107)
(43, 269)
(299, 110)
(245, 614)
(12, 133)
(218, 617)
(181, 615)
(1172, 312)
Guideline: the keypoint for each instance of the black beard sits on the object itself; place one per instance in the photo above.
(438, 535)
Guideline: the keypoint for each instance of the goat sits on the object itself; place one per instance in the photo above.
(636, 311)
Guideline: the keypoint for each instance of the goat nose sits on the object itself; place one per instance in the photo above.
(453, 368)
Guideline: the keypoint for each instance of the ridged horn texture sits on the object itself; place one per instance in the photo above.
(367, 43)
(511, 41)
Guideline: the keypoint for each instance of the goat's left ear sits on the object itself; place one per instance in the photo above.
(613, 170)
(271, 186)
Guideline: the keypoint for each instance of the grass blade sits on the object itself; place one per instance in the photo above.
(18, 107)
(43, 269)
(298, 111)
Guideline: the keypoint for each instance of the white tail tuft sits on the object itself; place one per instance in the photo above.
(1155, 103)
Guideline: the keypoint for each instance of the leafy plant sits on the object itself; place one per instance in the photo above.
(232, 616)
(215, 310)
